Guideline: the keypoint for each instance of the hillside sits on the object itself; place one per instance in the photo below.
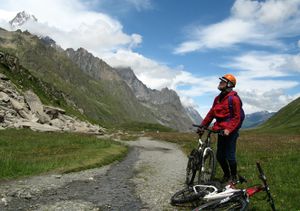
(88, 85)
(104, 102)
(286, 120)
(256, 119)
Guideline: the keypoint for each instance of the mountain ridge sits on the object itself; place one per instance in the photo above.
(164, 103)
(103, 97)
(257, 118)
(286, 120)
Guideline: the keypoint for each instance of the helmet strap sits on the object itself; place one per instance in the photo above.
(229, 84)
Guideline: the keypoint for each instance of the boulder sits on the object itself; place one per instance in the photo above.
(34, 102)
(3, 77)
(16, 105)
(57, 123)
(4, 97)
(43, 118)
(53, 112)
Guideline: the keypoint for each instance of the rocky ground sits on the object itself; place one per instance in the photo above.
(144, 180)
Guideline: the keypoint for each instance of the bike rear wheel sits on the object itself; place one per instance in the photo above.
(208, 168)
(192, 167)
(188, 194)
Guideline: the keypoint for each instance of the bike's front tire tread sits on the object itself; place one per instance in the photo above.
(209, 157)
(186, 195)
(235, 204)
(192, 168)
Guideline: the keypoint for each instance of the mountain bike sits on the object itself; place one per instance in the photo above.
(210, 197)
(201, 160)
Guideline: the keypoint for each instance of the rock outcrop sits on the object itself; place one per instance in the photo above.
(92, 65)
(25, 110)
(165, 104)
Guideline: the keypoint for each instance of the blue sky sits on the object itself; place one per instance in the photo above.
(184, 45)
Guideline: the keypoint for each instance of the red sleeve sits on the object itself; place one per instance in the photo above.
(209, 116)
(234, 122)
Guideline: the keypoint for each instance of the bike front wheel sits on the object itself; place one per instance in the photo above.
(188, 195)
(208, 167)
(192, 167)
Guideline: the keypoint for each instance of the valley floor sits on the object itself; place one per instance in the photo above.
(145, 180)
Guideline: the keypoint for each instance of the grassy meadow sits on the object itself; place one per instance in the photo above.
(278, 154)
(24, 152)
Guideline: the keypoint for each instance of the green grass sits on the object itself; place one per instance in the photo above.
(25, 153)
(278, 155)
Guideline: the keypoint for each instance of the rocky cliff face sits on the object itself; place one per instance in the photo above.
(92, 65)
(165, 104)
(193, 114)
(21, 18)
(145, 94)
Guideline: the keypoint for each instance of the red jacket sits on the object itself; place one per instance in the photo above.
(221, 112)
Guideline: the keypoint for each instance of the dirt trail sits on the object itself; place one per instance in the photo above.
(145, 180)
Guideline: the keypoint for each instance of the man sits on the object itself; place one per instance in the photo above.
(228, 112)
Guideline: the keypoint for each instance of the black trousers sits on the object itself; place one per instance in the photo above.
(226, 153)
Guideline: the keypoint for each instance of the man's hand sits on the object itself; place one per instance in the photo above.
(226, 132)
(200, 130)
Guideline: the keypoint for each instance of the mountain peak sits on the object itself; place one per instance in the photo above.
(21, 18)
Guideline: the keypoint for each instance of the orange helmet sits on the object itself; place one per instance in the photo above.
(229, 79)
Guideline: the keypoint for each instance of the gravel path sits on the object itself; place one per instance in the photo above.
(145, 180)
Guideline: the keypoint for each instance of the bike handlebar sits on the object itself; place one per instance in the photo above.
(220, 132)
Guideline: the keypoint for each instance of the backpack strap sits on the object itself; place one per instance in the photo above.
(230, 106)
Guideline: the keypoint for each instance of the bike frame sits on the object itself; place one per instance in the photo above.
(206, 146)
(230, 191)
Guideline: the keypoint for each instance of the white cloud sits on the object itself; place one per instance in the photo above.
(271, 100)
(259, 79)
(220, 35)
(152, 73)
(71, 24)
(263, 64)
(252, 22)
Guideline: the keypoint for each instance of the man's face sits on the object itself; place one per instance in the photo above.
(222, 85)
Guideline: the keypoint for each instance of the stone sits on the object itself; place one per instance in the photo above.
(57, 123)
(3, 77)
(36, 126)
(34, 102)
(16, 105)
(53, 112)
(43, 118)
(4, 97)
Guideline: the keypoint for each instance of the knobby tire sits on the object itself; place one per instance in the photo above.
(187, 195)
(235, 204)
(209, 168)
(192, 167)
